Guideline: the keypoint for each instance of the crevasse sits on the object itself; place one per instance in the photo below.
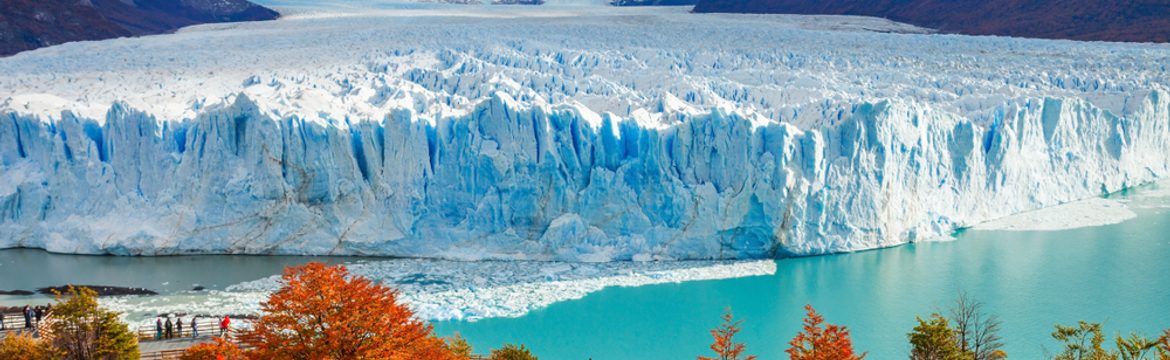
(513, 180)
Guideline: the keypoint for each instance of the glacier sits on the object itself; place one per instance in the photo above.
(568, 133)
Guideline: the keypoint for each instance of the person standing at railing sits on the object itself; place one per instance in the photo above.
(170, 327)
(179, 327)
(194, 326)
(39, 312)
(158, 328)
(224, 325)
(28, 315)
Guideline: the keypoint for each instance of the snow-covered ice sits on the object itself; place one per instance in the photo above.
(1074, 215)
(451, 290)
(577, 133)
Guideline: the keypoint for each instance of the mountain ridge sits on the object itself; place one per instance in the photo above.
(31, 24)
(1111, 20)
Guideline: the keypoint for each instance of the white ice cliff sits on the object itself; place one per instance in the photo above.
(547, 133)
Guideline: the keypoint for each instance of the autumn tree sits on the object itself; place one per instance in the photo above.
(512, 352)
(976, 332)
(725, 346)
(80, 329)
(1082, 342)
(23, 347)
(820, 341)
(934, 339)
(218, 349)
(322, 312)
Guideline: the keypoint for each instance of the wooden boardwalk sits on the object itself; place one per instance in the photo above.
(153, 348)
(149, 345)
(169, 348)
(14, 325)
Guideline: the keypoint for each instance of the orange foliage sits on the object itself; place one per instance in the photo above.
(820, 341)
(323, 313)
(220, 349)
(725, 345)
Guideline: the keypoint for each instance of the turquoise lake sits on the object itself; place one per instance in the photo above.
(1115, 274)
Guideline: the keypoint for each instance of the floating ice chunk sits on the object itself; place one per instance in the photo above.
(1074, 215)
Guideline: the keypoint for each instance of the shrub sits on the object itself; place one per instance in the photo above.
(458, 346)
(219, 349)
(512, 352)
(23, 347)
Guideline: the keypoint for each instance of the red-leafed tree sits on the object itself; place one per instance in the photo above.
(219, 349)
(324, 313)
(725, 346)
(820, 341)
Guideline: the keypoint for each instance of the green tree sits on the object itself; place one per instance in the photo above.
(933, 339)
(512, 352)
(976, 332)
(458, 346)
(1135, 347)
(1082, 342)
(80, 329)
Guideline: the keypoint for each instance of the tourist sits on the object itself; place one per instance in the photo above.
(40, 314)
(158, 328)
(179, 327)
(194, 326)
(28, 315)
(224, 325)
(170, 328)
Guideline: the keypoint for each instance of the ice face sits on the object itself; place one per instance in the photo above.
(561, 133)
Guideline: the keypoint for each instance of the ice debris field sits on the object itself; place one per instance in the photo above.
(454, 290)
(554, 132)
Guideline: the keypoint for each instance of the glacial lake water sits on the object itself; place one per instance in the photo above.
(1114, 274)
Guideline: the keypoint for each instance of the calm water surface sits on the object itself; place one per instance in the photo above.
(1114, 274)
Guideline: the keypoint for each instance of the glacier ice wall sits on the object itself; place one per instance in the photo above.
(511, 181)
(567, 133)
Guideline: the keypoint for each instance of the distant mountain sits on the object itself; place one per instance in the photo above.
(31, 24)
(1106, 20)
(652, 2)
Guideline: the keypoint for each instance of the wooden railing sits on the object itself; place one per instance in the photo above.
(175, 354)
(207, 327)
(162, 355)
(14, 324)
(14, 321)
(146, 333)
